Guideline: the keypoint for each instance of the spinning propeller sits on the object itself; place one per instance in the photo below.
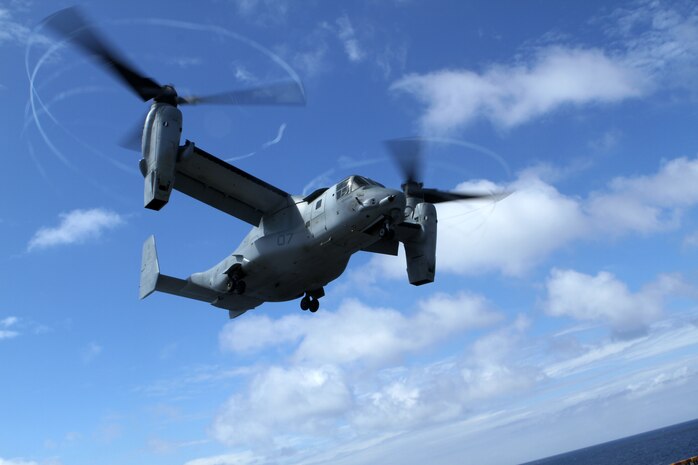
(407, 153)
(71, 25)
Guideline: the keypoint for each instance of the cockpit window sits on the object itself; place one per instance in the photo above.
(352, 183)
(343, 188)
(367, 181)
(359, 181)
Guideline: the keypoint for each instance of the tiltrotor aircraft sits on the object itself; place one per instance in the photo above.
(297, 244)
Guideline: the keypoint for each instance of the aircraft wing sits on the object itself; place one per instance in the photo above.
(211, 180)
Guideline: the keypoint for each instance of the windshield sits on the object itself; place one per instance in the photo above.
(366, 181)
(352, 183)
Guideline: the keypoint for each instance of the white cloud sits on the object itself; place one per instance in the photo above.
(606, 141)
(303, 399)
(263, 12)
(5, 325)
(347, 35)
(338, 407)
(190, 380)
(7, 334)
(311, 57)
(185, 61)
(493, 367)
(244, 75)
(76, 226)
(328, 409)
(9, 321)
(512, 95)
(651, 384)
(311, 397)
(661, 39)
(17, 462)
(511, 235)
(603, 298)
(91, 352)
(517, 233)
(241, 458)
(646, 203)
(662, 337)
(358, 333)
(691, 240)
(407, 398)
(653, 46)
(546, 426)
(12, 31)
(319, 390)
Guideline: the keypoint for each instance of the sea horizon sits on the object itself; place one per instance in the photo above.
(661, 446)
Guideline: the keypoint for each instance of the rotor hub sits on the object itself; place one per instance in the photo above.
(167, 95)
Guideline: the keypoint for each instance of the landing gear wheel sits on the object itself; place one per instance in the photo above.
(240, 287)
(305, 303)
(314, 305)
(230, 285)
(386, 232)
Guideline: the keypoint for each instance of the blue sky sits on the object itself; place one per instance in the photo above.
(562, 316)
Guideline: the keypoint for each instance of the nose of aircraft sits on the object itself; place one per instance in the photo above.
(392, 203)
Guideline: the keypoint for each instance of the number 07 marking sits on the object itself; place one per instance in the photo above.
(284, 239)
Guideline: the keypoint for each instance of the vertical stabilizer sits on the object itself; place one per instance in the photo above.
(150, 269)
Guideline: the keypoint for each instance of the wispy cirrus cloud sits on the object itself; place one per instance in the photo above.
(264, 12)
(277, 139)
(76, 227)
(91, 352)
(11, 29)
(347, 35)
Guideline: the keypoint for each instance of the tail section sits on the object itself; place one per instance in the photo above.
(152, 280)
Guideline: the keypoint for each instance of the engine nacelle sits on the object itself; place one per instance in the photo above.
(421, 250)
(160, 144)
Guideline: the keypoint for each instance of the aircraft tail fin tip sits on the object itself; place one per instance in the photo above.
(150, 268)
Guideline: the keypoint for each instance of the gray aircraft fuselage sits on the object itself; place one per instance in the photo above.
(305, 245)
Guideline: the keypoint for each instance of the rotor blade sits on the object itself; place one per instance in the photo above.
(70, 24)
(132, 139)
(281, 93)
(407, 153)
(437, 196)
